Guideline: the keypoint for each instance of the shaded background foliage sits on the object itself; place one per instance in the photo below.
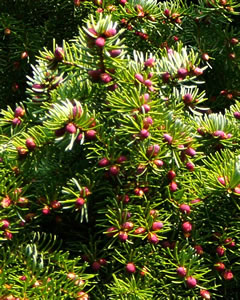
(33, 24)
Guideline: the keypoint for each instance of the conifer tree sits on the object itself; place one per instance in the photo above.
(120, 168)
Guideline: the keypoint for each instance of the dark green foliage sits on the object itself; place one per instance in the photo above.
(26, 26)
(106, 148)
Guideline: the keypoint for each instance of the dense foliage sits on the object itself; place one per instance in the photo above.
(120, 166)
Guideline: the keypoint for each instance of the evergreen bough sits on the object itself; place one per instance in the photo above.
(120, 170)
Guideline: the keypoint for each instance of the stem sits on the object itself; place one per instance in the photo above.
(102, 66)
